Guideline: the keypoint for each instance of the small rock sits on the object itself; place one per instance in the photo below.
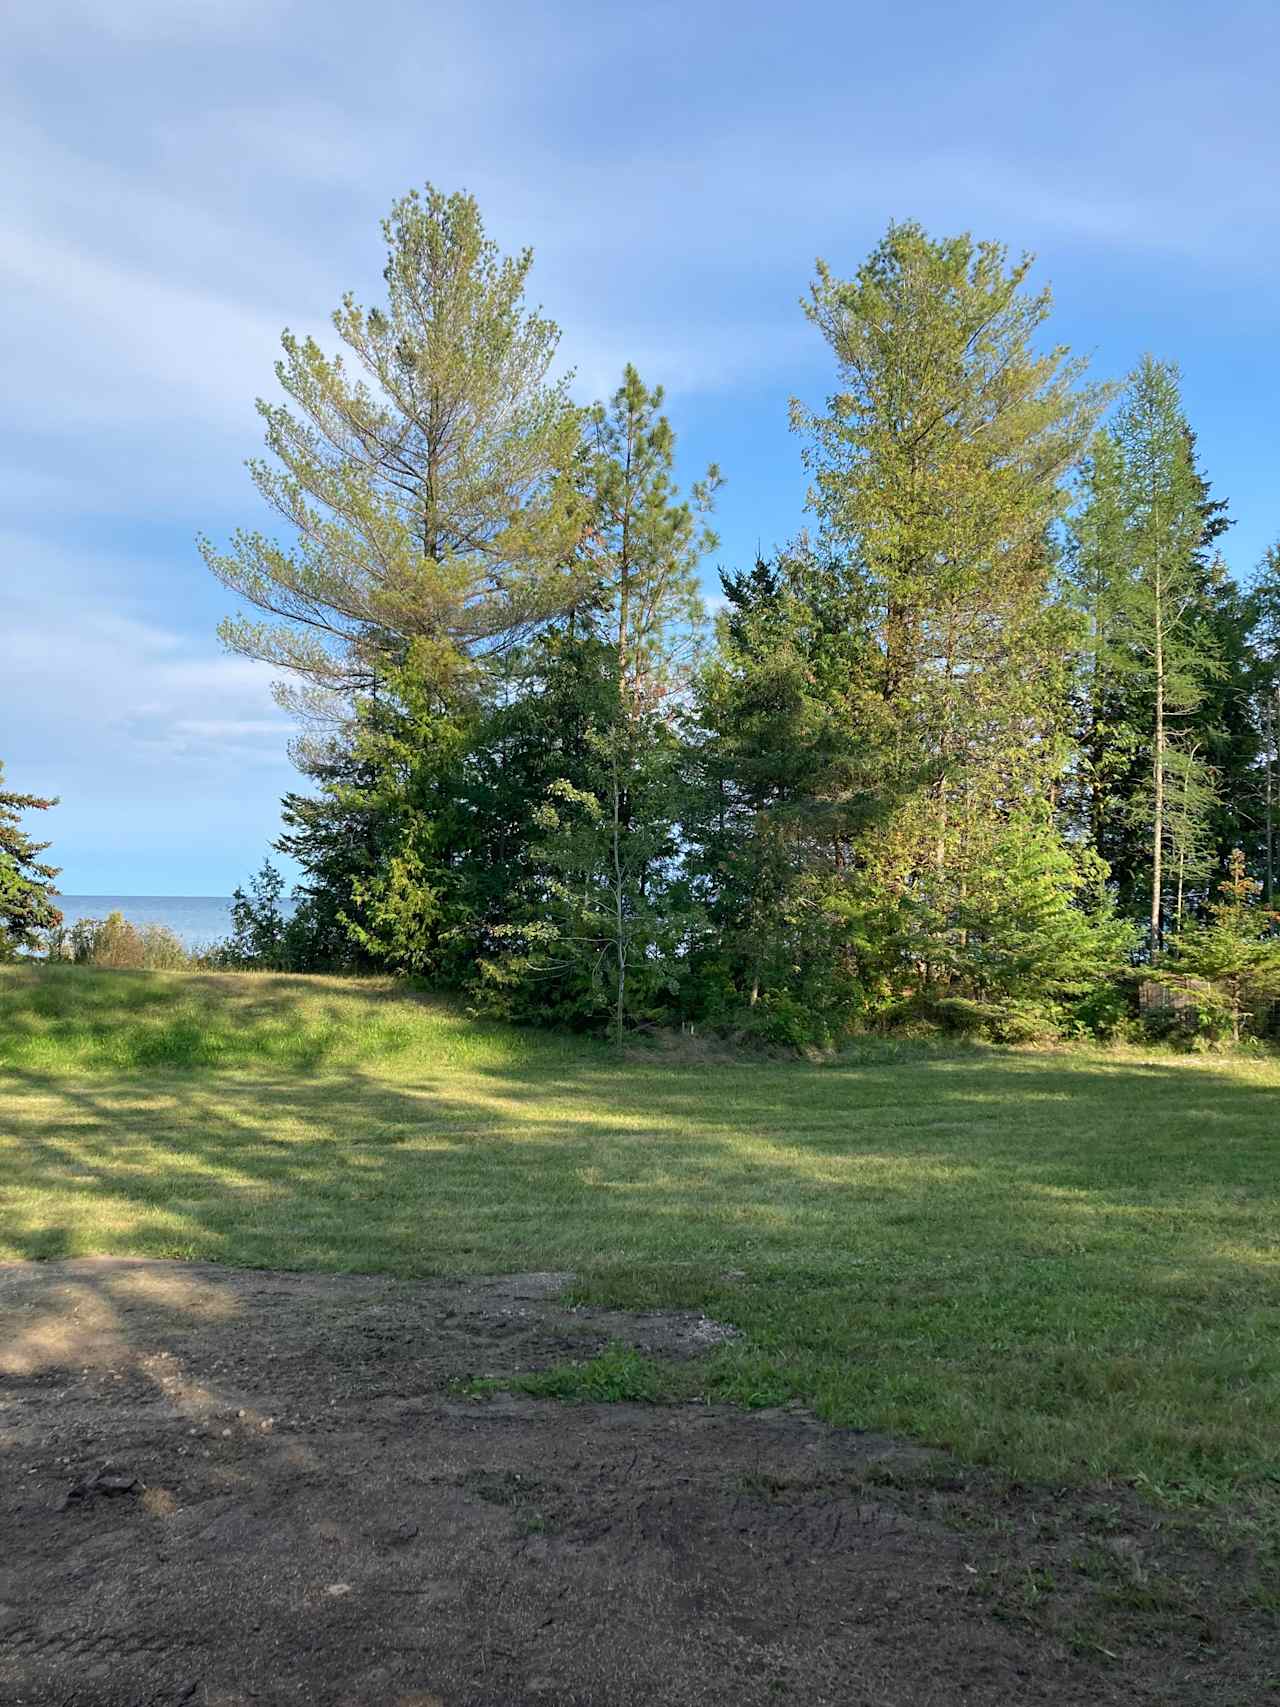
(112, 1482)
(406, 1531)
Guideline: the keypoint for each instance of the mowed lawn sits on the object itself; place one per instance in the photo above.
(1062, 1264)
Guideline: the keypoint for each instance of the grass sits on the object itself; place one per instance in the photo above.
(618, 1375)
(1063, 1265)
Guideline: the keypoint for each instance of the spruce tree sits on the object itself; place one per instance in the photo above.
(26, 881)
(601, 901)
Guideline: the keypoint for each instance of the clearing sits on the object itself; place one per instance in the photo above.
(1043, 1284)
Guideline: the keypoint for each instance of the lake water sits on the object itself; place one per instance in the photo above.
(197, 920)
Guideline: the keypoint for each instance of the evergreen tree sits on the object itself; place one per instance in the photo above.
(606, 914)
(644, 542)
(1265, 636)
(257, 922)
(1108, 731)
(337, 837)
(789, 757)
(1142, 571)
(1040, 936)
(427, 477)
(26, 881)
(604, 852)
(1163, 638)
(939, 470)
(414, 908)
(1235, 953)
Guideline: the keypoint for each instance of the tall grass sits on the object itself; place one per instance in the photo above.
(118, 944)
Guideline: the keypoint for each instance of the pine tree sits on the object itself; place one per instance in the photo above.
(26, 881)
(939, 469)
(427, 477)
(645, 542)
(1162, 637)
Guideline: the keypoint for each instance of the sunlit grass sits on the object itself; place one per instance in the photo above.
(1064, 1264)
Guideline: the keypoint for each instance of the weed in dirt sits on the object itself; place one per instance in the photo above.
(524, 1495)
(618, 1375)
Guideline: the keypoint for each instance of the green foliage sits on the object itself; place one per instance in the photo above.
(601, 914)
(939, 762)
(115, 942)
(1231, 962)
(644, 542)
(1037, 936)
(427, 477)
(790, 757)
(1161, 632)
(939, 466)
(257, 923)
(26, 881)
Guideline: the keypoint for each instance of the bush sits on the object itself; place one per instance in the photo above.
(116, 943)
(162, 950)
(1104, 1013)
(1190, 1025)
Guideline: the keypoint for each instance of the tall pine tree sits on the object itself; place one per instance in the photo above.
(426, 475)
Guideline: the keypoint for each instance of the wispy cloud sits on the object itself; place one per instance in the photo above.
(183, 179)
(113, 692)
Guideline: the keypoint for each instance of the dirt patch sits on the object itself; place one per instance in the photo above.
(229, 1487)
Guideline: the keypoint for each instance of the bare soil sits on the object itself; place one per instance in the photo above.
(227, 1487)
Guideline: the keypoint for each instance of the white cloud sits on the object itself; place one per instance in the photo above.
(183, 178)
(119, 700)
(146, 22)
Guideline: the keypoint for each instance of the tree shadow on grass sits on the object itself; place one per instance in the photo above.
(1036, 1244)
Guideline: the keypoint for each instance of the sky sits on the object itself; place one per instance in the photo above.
(184, 179)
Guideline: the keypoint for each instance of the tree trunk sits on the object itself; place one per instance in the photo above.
(620, 943)
(1182, 847)
(1270, 731)
(1157, 777)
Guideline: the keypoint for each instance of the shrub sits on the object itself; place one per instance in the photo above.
(162, 950)
(1229, 965)
(1104, 1013)
(116, 943)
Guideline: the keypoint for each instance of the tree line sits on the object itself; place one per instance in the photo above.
(976, 741)
(992, 731)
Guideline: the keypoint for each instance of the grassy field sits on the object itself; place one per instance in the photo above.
(1064, 1265)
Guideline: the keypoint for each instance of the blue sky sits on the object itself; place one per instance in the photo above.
(183, 179)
